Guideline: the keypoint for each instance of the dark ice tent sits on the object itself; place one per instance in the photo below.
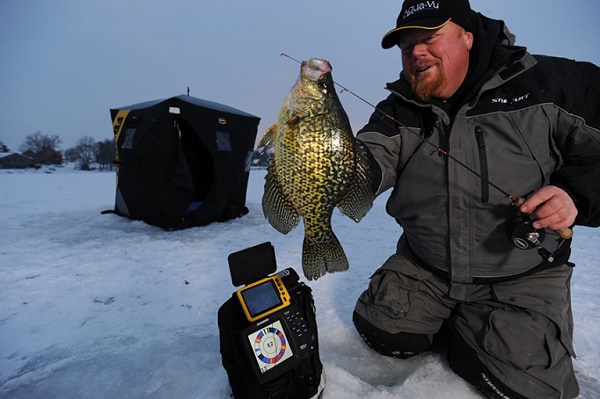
(182, 161)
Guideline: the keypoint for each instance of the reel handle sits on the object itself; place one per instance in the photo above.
(564, 233)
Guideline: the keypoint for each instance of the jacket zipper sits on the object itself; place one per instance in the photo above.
(444, 132)
(485, 187)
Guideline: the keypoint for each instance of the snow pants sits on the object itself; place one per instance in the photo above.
(512, 339)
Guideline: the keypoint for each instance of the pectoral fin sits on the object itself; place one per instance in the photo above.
(278, 210)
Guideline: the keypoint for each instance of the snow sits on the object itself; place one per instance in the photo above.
(99, 306)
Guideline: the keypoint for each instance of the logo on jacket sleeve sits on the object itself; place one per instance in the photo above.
(500, 100)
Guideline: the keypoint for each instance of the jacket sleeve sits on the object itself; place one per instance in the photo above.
(579, 143)
(382, 140)
(580, 180)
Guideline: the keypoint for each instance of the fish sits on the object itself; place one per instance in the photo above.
(317, 165)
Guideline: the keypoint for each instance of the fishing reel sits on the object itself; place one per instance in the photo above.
(523, 235)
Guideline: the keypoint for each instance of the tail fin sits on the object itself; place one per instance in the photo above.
(323, 256)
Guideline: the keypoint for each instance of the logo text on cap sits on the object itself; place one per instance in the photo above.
(427, 5)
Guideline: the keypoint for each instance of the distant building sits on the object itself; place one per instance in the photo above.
(13, 160)
(45, 156)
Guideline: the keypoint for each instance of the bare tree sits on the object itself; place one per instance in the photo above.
(42, 148)
(105, 155)
(38, 141)
(71, 155)
(84, 152)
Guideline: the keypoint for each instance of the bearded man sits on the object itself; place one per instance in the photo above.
(502, 121)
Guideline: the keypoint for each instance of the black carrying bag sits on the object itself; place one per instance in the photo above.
(298, 377)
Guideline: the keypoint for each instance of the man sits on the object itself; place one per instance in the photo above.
(473, 123)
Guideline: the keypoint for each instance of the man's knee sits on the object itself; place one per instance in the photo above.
(505, 357)
(402, 345)
(463, 360)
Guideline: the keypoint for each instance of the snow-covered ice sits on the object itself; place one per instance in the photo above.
(99, 306)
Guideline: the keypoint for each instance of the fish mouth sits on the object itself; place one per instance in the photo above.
(314, 68)
(305, 89)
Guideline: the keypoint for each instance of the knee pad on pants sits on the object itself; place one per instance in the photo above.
(402, 345)
(463, 360)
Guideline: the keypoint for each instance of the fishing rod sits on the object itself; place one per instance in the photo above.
(522, 234)
(412, 130)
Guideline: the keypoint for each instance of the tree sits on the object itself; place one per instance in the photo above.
(3, 147)
(42, 148)
(37, 141)
(84, 152)
(71, 155)
(105, 154)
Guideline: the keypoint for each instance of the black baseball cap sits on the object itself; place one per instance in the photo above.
(433, 14)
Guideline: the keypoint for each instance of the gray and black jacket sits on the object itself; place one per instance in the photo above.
(522, 122)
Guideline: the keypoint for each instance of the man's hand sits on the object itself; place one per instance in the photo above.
(552, 208)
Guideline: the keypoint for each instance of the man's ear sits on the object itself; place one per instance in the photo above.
(469, 39)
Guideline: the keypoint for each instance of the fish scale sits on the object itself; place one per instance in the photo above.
(317, 165)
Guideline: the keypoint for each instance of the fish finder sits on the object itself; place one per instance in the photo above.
(263, 298)
(268, 329)
(262, 295)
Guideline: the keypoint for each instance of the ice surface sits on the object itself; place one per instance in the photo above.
(99, 306)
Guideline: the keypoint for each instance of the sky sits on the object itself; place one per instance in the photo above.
(65, 63)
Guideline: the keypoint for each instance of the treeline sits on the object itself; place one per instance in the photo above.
(87, 153)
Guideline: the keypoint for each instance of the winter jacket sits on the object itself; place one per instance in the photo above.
(519, 121)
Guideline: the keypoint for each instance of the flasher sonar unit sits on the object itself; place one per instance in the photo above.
(262, 294)
(277, 331)
(263, 298)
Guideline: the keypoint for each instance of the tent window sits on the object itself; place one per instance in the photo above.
(129, 136)
(223, 141)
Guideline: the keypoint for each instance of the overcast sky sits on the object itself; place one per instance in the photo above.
(65, 63)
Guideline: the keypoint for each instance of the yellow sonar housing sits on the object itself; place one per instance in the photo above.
(263, 297)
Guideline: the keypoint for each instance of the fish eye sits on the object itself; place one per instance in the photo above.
(324, 86)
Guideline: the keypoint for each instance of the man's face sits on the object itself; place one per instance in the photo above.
(435, 62)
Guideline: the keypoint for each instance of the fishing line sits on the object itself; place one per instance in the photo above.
(516, 201)
(412, 130)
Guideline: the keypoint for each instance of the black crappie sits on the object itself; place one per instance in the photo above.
(317, 165)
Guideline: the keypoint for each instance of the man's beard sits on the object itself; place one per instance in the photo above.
(425, 89)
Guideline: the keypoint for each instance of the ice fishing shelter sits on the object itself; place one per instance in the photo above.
(182, 161)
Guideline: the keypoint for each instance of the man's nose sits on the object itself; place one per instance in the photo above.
(419, 50)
